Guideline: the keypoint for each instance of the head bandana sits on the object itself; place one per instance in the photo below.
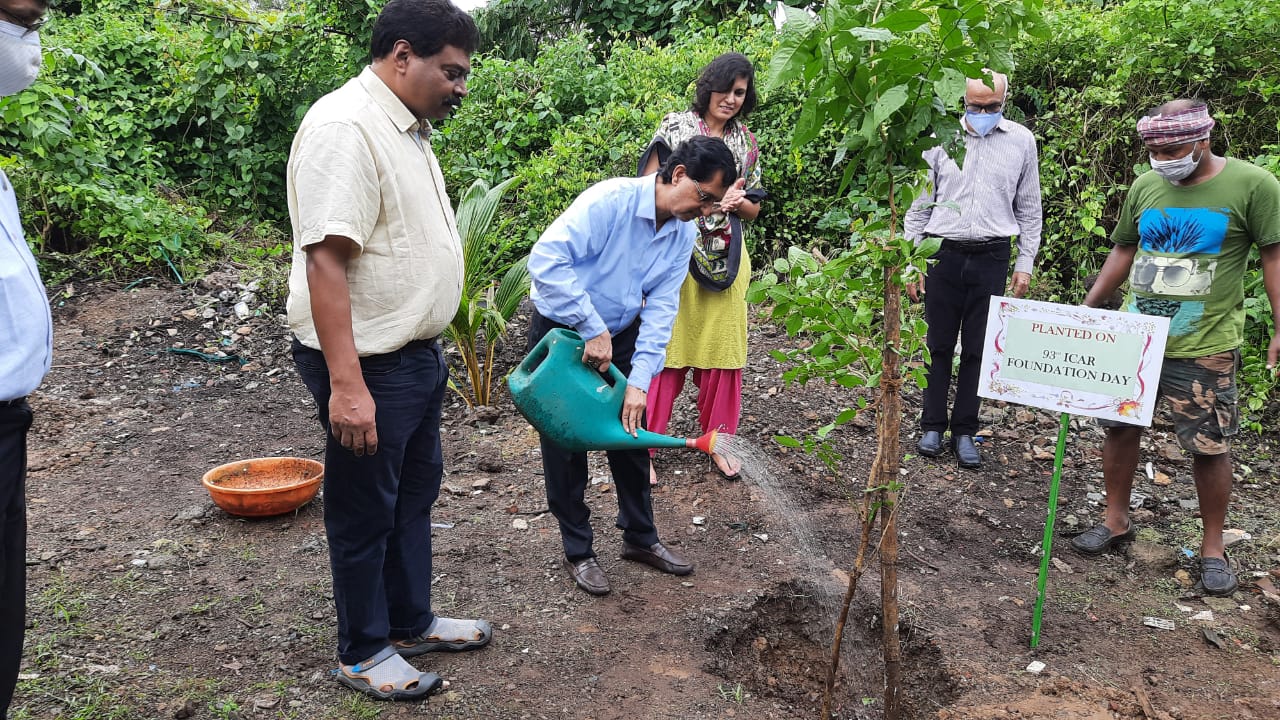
(1179, 127)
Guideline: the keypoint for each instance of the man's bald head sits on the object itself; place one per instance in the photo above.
(996, 91)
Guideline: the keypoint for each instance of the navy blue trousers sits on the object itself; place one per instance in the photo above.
(15, 420)
(565, 473)
(377, 508)
(958, 290)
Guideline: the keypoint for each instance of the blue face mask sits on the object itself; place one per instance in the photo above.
(983, 123)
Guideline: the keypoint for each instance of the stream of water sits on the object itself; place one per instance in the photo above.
(761, 470)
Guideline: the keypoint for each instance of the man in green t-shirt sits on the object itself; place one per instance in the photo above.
(1183, 242)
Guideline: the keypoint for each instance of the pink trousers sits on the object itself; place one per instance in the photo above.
(719, 398)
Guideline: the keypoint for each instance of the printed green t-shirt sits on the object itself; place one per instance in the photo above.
(1193, 245)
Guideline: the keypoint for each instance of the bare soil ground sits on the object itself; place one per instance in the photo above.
(148, 602)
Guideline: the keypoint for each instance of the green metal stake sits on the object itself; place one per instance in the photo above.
(1047, 545)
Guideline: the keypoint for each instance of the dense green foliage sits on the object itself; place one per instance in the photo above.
(518, 28)
(161, 134)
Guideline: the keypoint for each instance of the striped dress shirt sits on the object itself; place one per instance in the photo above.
(995, 195)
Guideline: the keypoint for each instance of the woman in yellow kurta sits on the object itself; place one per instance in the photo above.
(710, 332)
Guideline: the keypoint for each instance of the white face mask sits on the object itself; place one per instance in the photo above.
(19, 58)
(1178, 169)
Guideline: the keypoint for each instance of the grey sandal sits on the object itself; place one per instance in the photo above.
(447, 634)
(386, 676)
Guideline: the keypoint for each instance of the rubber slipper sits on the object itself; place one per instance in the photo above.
(386, 676)
(1217, 577)
(447, 634)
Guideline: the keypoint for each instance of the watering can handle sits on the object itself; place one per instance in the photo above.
(615, 377)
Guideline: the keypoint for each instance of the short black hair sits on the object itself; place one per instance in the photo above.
(427, 25)
(702, 157)
(719, 76)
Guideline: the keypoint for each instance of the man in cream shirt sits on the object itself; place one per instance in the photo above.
(376, 276)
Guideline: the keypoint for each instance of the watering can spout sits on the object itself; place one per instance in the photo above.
(578, 407)
(705, 443)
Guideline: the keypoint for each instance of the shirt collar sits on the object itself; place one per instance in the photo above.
(648, 207)
(395, 109)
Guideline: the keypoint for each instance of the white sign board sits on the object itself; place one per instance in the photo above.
(1073, 359)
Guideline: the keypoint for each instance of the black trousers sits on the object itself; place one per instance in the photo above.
(958, 290)
(377, 508)
(15, 420)
(565, 473)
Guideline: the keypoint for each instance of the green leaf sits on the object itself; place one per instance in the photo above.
(867, 34)
(950, 87)
(903, 21)
(786, 441)
(889, 102)
(788, 60)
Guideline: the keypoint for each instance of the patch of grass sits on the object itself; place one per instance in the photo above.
(252, 605)
(71, 697)
(59, 600)
(1070, 599)
(224, 709)
(355, 707)
(1243, 635)
(735, 694)
(202, 607)
(310, 629)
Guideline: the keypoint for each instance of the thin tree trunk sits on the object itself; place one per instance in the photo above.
(868, 520)
(889, 423)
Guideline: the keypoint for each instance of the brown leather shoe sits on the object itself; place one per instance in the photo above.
(659, 556)
(588, 575)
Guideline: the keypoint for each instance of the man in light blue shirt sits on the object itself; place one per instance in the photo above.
(610, 268)
(26, 350)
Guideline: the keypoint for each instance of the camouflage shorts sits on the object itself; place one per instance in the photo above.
(1202, 398)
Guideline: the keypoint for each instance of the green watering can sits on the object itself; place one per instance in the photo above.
(578, 407)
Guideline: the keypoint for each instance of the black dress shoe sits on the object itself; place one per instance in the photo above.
(659, 556)
(1098, 539)
(966, 452)
(588, 575)
(930, 444)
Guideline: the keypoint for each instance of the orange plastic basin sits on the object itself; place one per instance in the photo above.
(264, 486)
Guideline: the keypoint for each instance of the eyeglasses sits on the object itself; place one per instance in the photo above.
(29, 25)
(988, 109)
(704, 197)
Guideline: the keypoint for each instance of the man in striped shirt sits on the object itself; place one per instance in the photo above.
(976, 210)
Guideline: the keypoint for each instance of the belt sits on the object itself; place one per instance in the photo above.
(975, 245)
(13, 403)
(412, 344)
